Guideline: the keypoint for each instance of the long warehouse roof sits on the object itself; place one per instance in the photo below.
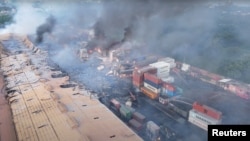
(53, 108)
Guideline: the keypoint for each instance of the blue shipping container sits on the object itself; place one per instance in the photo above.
(157, 86)
(169, 93)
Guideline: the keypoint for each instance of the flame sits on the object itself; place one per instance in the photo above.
(90, 51)
(98, 49)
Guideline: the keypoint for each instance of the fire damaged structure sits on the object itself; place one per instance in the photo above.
(46, 105)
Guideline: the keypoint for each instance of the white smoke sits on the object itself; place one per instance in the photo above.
(26, 20)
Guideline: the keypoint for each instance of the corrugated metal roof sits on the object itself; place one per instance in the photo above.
(42, 110)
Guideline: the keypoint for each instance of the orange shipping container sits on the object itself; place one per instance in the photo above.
(207, 110)
(149, 93)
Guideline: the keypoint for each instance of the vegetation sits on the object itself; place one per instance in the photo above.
(6, 15)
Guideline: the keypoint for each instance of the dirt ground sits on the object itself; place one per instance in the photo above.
(7, 130)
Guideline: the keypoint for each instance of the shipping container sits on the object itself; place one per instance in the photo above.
(153, 84)
(148, 69)
(149, 93)
(169, 79)
(202, 120)
(215, 77)
(160, 65)
(169, 60)
(152, 130)
(137, 82)
(138, 117)
(207, 110)
(163, 70)
(168, 86)
(185, 67)
(163, 99)
(163, 76)
(243, 95)
(137, 79)
(137, 75)
(125, 112)
(168, 93)
(153, 78)
(135, 124)
(153, 89)
(116, 104)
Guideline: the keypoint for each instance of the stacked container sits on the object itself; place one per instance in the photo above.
(168, 90)
(168, 79)
(137, 121)
(152, 83)
(169, 60)
(202, 116)
(207, 110)
(138, 76)
(163, 69)
(149, 93)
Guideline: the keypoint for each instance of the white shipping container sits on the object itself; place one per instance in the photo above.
(160, 65)
(169, 60)
(152, 88)
(163, 76)
(185, 67)
(201, 120)
(163, 70)
(169, 79)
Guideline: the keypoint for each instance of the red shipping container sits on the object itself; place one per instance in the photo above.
(153, 78)
(136, 74)
(215, 76)
(168, 86)
(243, 95)
(207, 110)
(115, 103)
(138, 80)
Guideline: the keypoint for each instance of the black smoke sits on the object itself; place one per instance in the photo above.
(47, 27)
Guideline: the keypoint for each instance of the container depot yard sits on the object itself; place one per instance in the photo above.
(70, 79)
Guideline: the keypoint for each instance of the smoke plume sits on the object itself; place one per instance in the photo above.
(47, 27)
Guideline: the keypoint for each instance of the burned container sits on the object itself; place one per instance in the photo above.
(138, 117)
(135, 124)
